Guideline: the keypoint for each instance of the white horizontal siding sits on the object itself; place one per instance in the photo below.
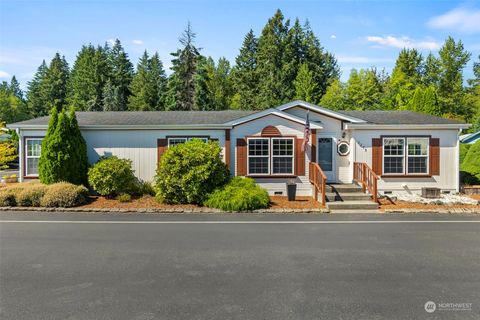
(449, 168)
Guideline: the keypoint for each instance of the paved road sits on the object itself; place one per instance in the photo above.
(101, 266)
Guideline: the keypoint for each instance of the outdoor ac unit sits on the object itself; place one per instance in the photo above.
(431, 192)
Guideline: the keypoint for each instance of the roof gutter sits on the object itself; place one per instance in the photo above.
(406, 126)
(132, 127)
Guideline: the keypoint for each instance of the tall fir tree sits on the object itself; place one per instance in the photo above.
(54, 85)
(431, 71)
(245, 80)
(89, 75)
(36, 100)
(14, 88)
(158, 81)
(270, 62)
(410, 63)
(112, 98)
(181, 89)
(121, 73)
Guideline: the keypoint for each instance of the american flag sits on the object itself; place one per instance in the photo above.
(306, 132)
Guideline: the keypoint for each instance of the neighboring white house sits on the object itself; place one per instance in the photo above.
(470, 138)
(406, 150)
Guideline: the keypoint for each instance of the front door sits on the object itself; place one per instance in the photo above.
(326, 157)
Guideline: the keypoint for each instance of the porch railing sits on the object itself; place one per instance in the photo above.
(365, 176)
(318, 178)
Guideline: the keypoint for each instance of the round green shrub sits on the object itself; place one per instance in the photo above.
(124, 197)
(471, 165)
(32, 195)
(188, 172)
(64, 194)
(240, 194)
(112, 176)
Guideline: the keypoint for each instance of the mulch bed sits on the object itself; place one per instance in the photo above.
(388, 204)
(149, 202)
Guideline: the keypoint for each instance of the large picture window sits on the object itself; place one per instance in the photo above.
(33, 148)
(270, 156)
(405, 155)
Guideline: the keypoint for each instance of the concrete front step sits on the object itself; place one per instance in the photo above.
(357, 205)
(357, 196)
(343, 188)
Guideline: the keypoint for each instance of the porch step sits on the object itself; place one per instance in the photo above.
(343, 188)
(348, 196)
(356, 205)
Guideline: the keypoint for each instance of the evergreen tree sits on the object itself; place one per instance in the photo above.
(244, 76)
(304, 84)
(431, 71)
(140, 87)
(431, 104)
(121, 73)
(363, 90)
(36, 100)
(453, 59)
(203, 78)
(77, 162)
(54, 85)
(15, 88)
(410, 63)
(112, 98)
(293, 58)
(90, 73)
(182, 84)
(270, 62)
(158, 81)
(48, 165)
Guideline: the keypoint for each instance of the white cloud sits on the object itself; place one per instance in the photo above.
(459, 19)
(403, 42)
(138, 42)
(361, 59)
(333, 36)
(4, 74)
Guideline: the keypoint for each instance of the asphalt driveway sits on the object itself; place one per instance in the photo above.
(101, 266)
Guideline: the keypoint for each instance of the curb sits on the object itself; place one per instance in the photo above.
(200, 210)
(440, 211)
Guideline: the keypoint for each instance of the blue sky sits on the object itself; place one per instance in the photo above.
(361, 34)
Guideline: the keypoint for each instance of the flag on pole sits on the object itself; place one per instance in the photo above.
(306, 132)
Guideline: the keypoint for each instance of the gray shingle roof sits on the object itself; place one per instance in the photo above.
(119, 118)
(398, 117)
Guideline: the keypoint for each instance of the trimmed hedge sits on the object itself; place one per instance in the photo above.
(188, 172)
(64, 194)
(113, 176)
(35, 194)
(240, 194)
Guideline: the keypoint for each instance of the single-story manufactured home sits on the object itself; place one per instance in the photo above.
(402, 151)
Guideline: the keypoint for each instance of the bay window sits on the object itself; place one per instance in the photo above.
(405, 155)
(33, 148)
(270, 156)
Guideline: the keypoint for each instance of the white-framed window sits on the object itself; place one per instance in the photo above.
(178, 140)
(33, 148)
(270, 156)
(417, 155)
(405, 155)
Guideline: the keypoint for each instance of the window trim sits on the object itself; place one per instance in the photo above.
(187, 138)
(405, 156)
(26, 156)
(271, 156)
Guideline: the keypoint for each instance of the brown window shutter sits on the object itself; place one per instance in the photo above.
(241, 157)
(377, 156)
(434, 156)
(299, 158)
(162, 145)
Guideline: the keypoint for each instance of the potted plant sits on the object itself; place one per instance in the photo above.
(291, 190)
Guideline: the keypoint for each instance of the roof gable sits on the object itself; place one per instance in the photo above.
(321, 110)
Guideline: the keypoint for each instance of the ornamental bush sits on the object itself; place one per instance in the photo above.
(32, 195)
(64, 152)
(188, 172)
(240, 194)
(64, 194)
(112, 176)
(470, 168)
